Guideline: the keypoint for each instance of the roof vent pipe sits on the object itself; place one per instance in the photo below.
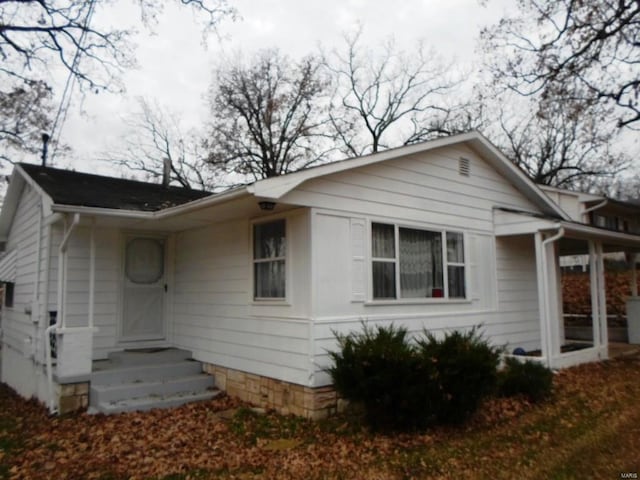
(166, 172)
(45, 145)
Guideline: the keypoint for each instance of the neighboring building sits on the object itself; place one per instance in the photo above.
(254, 282)
(599, 211)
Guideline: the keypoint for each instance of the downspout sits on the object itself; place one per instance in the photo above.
(44, 319)
(545, 271)
(50, 220)
(62, 254)
(92, 272)
(35, 308)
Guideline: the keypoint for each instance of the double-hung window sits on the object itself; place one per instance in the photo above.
(416, 263)
(269, 257)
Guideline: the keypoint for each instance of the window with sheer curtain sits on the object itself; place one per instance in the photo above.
(269, 257)
(412, 263)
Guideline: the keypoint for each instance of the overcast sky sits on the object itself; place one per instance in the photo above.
(175, 67)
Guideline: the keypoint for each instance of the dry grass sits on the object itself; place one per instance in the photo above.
(590, 429)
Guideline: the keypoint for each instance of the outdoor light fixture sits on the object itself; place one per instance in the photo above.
(264, 205)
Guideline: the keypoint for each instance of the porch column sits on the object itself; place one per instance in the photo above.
(633, 304)
(542, 298)
(598, 295)
(547, 271)
(634, 275)
(554, 298)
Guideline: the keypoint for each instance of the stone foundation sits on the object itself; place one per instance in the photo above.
(283, 397)
(72, 397)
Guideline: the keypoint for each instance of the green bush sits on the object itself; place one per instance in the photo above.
(528, 378)
(404, 385)
(380, 369)
(467, 371)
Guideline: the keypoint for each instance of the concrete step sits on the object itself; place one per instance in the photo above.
(153, 401)
(147, 379)
(149, 356)
(145, 373)
(122, 391)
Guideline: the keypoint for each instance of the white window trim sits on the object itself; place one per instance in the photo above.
(445, 278)
(267, 301)
(448, 264)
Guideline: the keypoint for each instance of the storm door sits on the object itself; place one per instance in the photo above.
(143, 289)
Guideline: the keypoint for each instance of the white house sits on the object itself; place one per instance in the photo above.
(253, 282)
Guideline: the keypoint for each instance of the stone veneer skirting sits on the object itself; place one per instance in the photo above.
(72, 397)
(283, 397)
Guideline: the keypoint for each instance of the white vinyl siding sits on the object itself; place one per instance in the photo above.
(214, 313)
(423, 192)
(107, 283)
(423, 188)
(518, 291)
(20, 334)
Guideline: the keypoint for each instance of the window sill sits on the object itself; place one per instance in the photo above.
(265, 302)
(419, 301)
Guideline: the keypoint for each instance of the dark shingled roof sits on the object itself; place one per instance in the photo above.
(66, 187)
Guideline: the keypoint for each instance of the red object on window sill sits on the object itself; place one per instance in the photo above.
(437, 293)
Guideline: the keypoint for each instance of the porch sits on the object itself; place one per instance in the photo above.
(555, 240)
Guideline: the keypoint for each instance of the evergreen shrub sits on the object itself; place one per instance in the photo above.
(530, 379)
(404, 384)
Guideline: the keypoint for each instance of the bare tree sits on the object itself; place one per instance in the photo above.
(41, 33)
(155, 135)
(622, 187)
(23, 118)
(384, 97)
(562, 149)
(37, 36)
(576, 52)
(267, 116)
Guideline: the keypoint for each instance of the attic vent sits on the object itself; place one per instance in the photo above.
(463, 166)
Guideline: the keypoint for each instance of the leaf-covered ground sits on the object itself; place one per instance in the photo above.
(590, 429)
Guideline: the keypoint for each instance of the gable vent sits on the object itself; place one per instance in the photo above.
(463, 166)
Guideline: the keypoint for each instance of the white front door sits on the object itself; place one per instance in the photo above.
(144, 289)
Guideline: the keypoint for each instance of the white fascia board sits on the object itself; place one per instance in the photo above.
(157, 215)
(201, 203)
(587, 231)
(101, 212)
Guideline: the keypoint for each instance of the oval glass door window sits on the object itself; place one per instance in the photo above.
(145, 261)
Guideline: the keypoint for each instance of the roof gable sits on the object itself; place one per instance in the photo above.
(275, 188)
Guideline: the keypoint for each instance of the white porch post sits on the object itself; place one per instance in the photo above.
(542, 297)
(634, 275)
(598, 297)
(594, 268)
(633, 305)
(554, 298)
(549, 295)
(602, 300)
